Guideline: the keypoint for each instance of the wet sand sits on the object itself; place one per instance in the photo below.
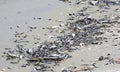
(23, 14)
(26, 13)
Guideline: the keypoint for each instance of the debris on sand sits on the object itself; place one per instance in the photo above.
(118, 61)
(64, 0)
(82, 30)
(2, 70)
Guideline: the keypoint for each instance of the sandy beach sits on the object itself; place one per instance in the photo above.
(22, 13)
(35, 17)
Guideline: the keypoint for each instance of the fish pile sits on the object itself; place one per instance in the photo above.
(104, 2)
(83, 31)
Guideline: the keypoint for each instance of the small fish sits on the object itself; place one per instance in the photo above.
(2, 70)
(18, 26)
(34, 70)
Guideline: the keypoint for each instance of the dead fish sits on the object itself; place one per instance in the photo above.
(34, 70)
(34, 18)
(39, 18)
(69, 69)
(100, 58)
(50, 19)
(12, 55)
(10, 27)
(25, 36)
(62, 31)
(65, 70)
(88, 67)
(73, 35)
(82, 44)
(18, 26)
(2, 70)
(9, 68)
(14, 62)
(54, 55)
(53, 46)
(24, 65)
(34, 59)
(64, 0)
(61, 50)
(32, 27)
(54, 27)
(30, 51)
(110, 61)
(103, 58)
(93, 2)
(51, 36)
